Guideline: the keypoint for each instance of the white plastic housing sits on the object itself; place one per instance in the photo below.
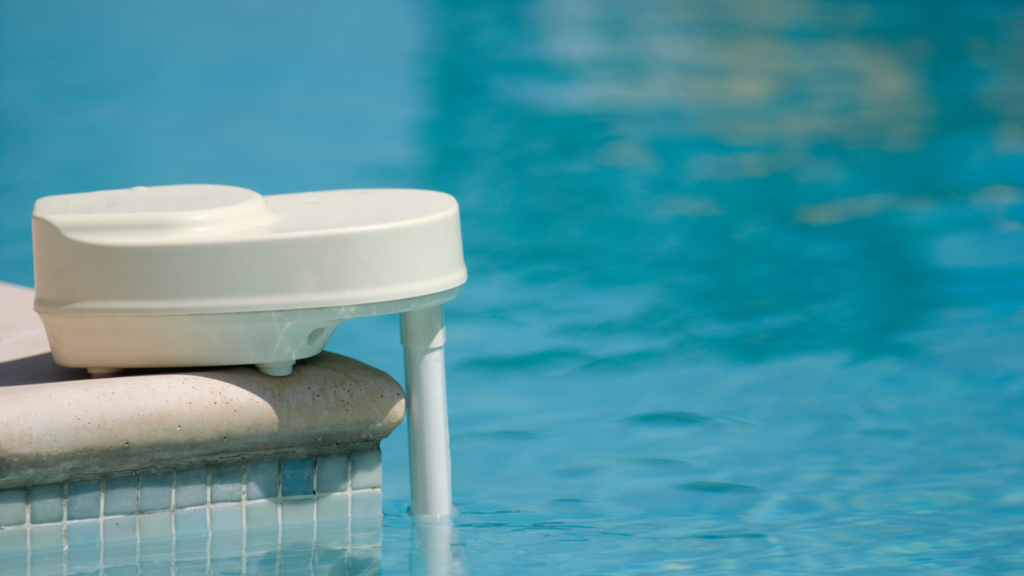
(202, 275)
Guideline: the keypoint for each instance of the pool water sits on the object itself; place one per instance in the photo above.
(746, 277)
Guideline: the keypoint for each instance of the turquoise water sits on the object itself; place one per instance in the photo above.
(746, 277)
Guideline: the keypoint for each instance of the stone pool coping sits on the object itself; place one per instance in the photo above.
(58, 425)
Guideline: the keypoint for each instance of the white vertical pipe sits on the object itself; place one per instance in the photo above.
(433, 556)
(430, 460)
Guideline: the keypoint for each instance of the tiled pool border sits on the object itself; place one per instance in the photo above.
(267, 496)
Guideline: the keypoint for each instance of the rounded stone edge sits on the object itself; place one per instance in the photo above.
(172, 420)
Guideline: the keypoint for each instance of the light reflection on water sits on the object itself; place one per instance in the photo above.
(745, 277)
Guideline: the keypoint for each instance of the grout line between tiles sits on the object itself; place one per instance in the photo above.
(138, 525)
(280, 513)
(64, 528)
(350, 470)
(316, 499)
(103, 509)
(245, 518)
(351, 465)
(28, 530)
(279, 499)
(209, 520)
(174, 525)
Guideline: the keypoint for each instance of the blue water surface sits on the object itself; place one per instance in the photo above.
(746, 276)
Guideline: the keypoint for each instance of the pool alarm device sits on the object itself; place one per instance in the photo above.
(203, 275)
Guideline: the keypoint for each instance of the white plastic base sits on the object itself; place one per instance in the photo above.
(272, 338)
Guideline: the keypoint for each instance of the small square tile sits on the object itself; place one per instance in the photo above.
(190, 554)
(47, 550)
(332, 474)
(297, 513)
(263, 563)
(261, 480)
(367, 532)
(190, 488)
(190, 564)
(229, 563)
(261, 544)
(366, 472)
(190, 522)
(12, 507)
(84, 500)
(226, 542)
(155, 526)
(261, 514)
(297, 477)
(296, 545)
(226, 518)
(47, 503)
(84, 533)
(121, 496)
(13, 539)
(49, 566)
(119, 541)
(332, 508)
(366, 504)
(296, 558)
(49, 536)
(157, 565)
(296, 555)
(155, 492)
(365, 562)
(15, 559)
(118, 530)
(84, 560)
(155, 544)
(332, 535)
(226, 484)
(330, 560)
(261, 556)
